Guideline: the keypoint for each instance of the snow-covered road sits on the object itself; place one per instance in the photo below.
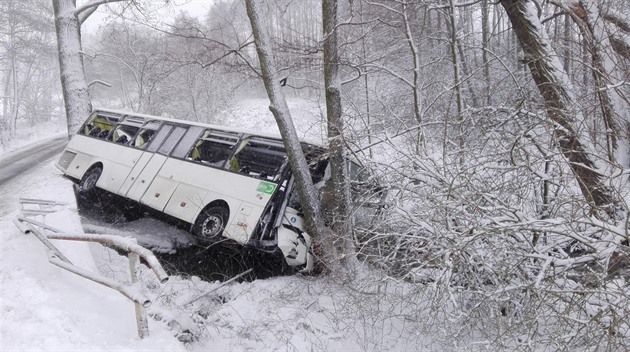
(22, 160)
(20, 168)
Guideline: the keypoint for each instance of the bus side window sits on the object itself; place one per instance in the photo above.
(144, 137)
(122, 134)
(259, 158)
(98, 127)
(172, 140)
(187, 142)
(159, 138)
(213, 148)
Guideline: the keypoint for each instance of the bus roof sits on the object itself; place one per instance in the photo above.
(192, 123)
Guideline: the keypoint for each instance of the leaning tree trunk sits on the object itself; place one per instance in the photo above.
(281, 113)
(595, 39)
(553, 85)
(73, 83)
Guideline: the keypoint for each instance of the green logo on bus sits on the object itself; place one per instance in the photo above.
(266, 187)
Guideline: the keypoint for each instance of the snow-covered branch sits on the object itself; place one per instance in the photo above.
(91, 6)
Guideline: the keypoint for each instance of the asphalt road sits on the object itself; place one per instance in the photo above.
(22, 160)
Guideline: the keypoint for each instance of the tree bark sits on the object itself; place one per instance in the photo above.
(596, 40)
(340, 204)
(558, 100)
(73, 82)
(413, 49)
(282, 115)
(452, 24)
(485, 38)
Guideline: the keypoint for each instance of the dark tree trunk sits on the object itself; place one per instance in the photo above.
(340, 203)
(551, 82)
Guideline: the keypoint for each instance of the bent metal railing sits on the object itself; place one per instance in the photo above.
(129, 245)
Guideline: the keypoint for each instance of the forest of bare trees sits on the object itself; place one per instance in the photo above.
(28, 64)
(496, 136)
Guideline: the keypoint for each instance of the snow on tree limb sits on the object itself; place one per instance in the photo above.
(282, 115)
(555, 89)
(73, 81)
(91, 6)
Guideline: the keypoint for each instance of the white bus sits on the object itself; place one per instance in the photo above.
(223, 182)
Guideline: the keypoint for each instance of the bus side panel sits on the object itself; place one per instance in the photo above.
(135, 172)
(145, 177)
(247, 203)
(113, 176)
(242, 222)
(186, 202)
(233, 188)
(83, 158)
(159, 192)
(117, 160)
(79, 165)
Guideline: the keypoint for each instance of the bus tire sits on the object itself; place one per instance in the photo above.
(89, 179)
(211, 223)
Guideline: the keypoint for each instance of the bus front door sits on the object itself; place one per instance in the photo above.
(139, 165)
(143, 175)
(150, 162)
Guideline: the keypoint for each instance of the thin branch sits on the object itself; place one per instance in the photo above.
(90, 7)
(98, 81)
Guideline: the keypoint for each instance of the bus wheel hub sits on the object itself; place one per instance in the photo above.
(211, 226)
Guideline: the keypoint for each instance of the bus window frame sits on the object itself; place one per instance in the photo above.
(206, 136)
(147, 127)
(126, 121)
(96, 114)
(244, 143)
(170, 150)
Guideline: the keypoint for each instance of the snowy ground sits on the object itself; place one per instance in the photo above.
(46, 308)
(254, 114)
(26, 134)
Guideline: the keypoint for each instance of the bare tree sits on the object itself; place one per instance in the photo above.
(26, 64)
(339, 199)
(558, 99)
(68, 19)
(281, 113)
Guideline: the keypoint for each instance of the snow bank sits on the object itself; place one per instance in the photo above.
(26, 134)
(49, 309)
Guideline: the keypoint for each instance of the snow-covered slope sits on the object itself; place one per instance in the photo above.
(253, 114)
(46, 308)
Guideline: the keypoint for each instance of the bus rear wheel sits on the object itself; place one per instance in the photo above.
(88, 182)
(211, 223)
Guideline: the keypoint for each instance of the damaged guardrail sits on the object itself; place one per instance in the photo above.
(129, 245)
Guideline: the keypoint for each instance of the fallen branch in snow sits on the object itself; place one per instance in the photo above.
(218, 287)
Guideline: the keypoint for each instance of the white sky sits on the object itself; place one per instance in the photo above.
(196, 8)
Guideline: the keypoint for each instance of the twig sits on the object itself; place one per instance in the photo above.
(218, 287)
